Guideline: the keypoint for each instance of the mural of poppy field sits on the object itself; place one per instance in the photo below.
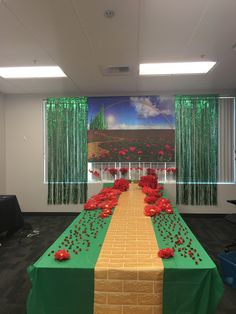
(131, 129)
(131, 145)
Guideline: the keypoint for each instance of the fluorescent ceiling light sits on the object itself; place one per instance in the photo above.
(175, 68)
(31, 72)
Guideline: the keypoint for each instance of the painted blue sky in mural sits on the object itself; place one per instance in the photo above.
(143, 112)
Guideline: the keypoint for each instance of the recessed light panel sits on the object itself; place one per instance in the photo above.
(32, 72)
(175, 68)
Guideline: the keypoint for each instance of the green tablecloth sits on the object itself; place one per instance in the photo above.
(67, 287)
(192, 284)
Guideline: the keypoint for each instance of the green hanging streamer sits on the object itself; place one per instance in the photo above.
(196, 149)
(67, 121)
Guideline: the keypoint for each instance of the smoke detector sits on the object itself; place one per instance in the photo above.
(109, 13)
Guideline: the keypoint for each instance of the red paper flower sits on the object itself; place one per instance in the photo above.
(163, 201)
(169, 170)
(109, 204)
(121, 184)
(90, 205)
(150, 199)
(110, 190)
(107, 211)
(62, 255)
(123, 171)
(166, 253)
(151, 172)
(152, 192)
(103, 215)
(150, 181)
(112, 171)
(95, 173)
(159, 195)
(163, 204)
(150, 210)
(169, 210)
(149, 191)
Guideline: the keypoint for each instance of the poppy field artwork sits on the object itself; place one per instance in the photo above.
(131, 129)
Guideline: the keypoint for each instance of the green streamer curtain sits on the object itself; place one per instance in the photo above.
(196, 149)
(67, 120)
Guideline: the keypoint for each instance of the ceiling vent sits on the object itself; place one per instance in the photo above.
(116, 70)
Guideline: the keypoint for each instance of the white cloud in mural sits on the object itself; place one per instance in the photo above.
(146, 109)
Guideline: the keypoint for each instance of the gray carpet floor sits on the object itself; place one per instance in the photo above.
(18, 251)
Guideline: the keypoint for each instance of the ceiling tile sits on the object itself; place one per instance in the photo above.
(114, 41)
(165, 28)
(215, 34)
(18, 47)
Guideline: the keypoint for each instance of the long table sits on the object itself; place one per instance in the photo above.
(114, 267)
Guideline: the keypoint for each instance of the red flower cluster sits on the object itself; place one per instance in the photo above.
(95, 173)
(107, 198)
(164, 205)
(150, 181)
(166, 253)
(150, 199)
(110, 191)
(108, 203)
(169, 170)
(121, 184)
(154, 196)
(106, 212)
(123, 171)
(151, 210)
(62, 255)
(153, 192)
(90, 205)
(112, 171)
(151, 172)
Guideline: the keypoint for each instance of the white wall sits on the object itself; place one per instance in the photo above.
(24, 162)
(225, 192)
(24, 155)
(2, 145)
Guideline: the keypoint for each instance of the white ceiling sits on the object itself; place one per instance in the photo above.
(75, 35)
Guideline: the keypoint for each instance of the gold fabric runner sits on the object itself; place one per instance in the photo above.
(128, 274)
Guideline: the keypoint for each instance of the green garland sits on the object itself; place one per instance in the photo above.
(196, 149)
(67, 120)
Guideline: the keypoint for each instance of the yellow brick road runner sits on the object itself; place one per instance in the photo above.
(128, 273)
